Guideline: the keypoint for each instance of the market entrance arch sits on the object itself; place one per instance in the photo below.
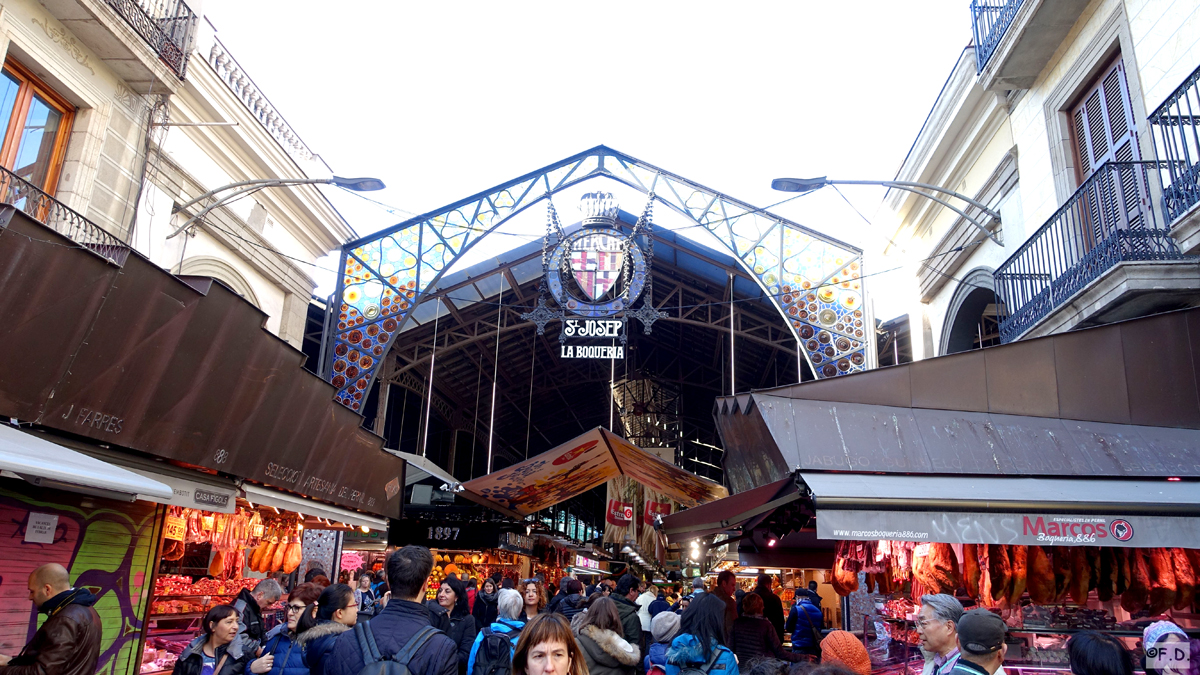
(813, 281)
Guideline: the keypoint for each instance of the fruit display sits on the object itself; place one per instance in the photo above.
(467, 564)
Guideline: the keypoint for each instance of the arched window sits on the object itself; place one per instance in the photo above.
(973, 318)
(221, 271)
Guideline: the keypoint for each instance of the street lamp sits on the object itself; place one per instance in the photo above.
(243, 187)
(810, 184)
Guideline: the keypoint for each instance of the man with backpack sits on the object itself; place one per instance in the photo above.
(399, 640)
(494, 646)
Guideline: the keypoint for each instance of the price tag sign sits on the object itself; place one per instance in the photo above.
(175, 528)
(921, 550)
(256, 531)
(41, 527)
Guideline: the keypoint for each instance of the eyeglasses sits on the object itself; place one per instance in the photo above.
(926, 623)
(295, 609)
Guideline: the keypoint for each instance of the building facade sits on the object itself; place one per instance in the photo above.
(119, 111)
(1071, 121)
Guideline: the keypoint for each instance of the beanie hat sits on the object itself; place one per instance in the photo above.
(842, 647)
(1160, 629)
(664, 626)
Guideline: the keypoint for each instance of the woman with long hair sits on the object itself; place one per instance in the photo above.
(601, 637)
(217, 647)
(452, 601)
(334, 613)
(485, 610)
(547, 647)
(535, 599)
(701, 638)
(280, 652)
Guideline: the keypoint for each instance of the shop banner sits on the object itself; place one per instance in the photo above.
(655, 509)
(620, 513)
(1044, 529)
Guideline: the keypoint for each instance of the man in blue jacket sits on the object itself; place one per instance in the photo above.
(805, 623)
(408, 571)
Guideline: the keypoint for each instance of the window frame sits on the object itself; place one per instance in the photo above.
(31, 84)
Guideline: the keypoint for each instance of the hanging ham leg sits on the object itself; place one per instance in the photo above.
(1041, 577)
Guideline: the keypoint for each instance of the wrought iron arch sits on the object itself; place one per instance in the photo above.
(813, 280)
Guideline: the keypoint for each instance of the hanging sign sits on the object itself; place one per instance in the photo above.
(574, 329)
(175, 528)
(351, 560)
(656, 509)
(619, 513)
(40, 528)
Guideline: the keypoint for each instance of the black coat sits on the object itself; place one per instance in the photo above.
(317, 642)
(772, 609)
(485, 612)
(191, 661)
(392, 629)
(462, 630)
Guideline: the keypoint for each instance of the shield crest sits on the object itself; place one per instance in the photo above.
(596, 262)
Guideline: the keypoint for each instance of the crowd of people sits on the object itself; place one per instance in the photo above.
(617, 627)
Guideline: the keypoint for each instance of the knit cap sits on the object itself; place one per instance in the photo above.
(664, 626)
(1160, 629)
(842, 647)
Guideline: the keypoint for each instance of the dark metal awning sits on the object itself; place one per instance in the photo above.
(1118, 401)
(729, 513)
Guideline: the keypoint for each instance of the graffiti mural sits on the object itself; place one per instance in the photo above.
(108, 547)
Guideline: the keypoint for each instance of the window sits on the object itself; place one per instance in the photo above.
(1102, 123)
(37, 123)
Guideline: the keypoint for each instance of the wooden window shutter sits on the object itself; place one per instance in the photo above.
(1102, 121)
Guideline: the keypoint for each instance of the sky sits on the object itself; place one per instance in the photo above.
(445, 99)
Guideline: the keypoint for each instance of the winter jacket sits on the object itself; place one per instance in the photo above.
(471, 599)
(660, 604)
(772, 609)
(68, 643)
(803, 615)
(577, 620)
(685, 649)
(500, 626)
(289, 657)
(462, 631)
(553, 605)
(754, 637)
(656, 655)
(191, 661)
(392, 628)
(571, 605)
(629, 619)
(731, 613)
(643, 603)
(485, 610)
(250, 625)
(606, 652)
(317, 642)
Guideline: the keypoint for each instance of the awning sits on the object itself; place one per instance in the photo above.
(308, 507)
(729, 513)
(581, 464)
(1077, 404)
(192, 489)
(420, 468)
(46, 464)
(991, 510)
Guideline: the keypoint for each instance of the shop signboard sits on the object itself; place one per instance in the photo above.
(586, 564)
(1044, 529)
(517, 543)
(456, 536)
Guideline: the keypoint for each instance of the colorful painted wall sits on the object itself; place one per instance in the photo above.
(107, 546)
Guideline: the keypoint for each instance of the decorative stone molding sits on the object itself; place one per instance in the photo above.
(68, 43)
(243, 87)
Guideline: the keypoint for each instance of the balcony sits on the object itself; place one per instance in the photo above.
(1174, 128)
(1105, 255)
(54, 214)
(146, 42)
(1014, 39)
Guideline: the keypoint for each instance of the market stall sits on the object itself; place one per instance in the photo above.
(209, 556)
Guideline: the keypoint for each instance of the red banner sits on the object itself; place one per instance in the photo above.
(656, 509)
(620, 513)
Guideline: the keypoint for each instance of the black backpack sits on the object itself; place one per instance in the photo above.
(397, 664)
(494, 656)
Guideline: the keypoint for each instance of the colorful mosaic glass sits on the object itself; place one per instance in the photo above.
(814, 281)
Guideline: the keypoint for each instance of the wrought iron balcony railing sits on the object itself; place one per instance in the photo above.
(1175, 128)
(54, 214)
(166, 25)
(1110, 219)
(990, 18)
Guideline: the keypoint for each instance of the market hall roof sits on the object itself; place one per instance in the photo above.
(176, 367)
(1115, 401)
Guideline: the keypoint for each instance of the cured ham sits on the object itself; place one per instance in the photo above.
(291, 559)
(1041, 577)
(1185, 579)
(971, 570)
(845, 582)
(1137, 595)
(217, 567)
(1000, 571)
(277, 556)
(1081, 573)
(1062, 572)
(1106, 581)
(1162, 580)
(1018, 556)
